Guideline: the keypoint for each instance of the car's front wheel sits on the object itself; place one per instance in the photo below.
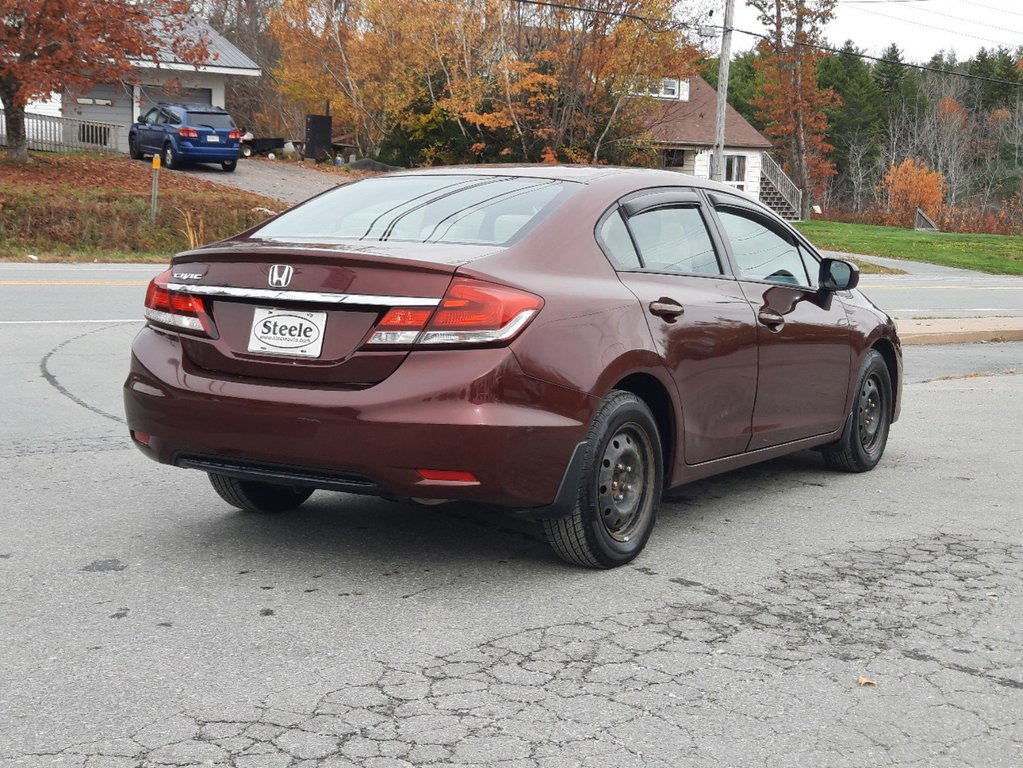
(170, 157)
(866, 429)
(619, 491)
(254, 496)
(229, 165)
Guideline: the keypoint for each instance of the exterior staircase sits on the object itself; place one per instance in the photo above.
(777, 191)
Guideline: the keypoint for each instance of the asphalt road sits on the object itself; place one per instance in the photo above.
(144, 623)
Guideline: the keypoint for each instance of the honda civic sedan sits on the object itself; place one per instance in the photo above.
(565, 342)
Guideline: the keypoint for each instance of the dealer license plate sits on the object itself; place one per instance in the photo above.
(213, 138)
(287, 332)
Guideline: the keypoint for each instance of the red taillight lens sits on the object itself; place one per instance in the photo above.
(177, 310)
(471, 312)
(475, 312)
(234, 135)
(453, 476)
(188, 133)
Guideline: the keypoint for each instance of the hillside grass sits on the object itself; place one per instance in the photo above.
(83, 207)
(994, 254)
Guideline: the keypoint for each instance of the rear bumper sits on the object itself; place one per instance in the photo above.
(202, 153)
(465, 410)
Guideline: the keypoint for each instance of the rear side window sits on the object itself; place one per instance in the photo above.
(674, 240)
(761, 253)
(210, 120)
(617, 244)
(478, 210)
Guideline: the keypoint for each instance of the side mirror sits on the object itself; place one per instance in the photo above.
(838, 275)
(141, 119)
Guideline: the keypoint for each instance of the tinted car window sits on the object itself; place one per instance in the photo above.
(760, 253)
(674, 240)
(482, 210)
(617, 243)
(210, 119)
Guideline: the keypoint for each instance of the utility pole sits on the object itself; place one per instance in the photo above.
(717, 164)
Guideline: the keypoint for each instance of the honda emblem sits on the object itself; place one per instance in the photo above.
(280, 275)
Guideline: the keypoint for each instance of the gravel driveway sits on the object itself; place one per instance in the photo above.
(285, 181)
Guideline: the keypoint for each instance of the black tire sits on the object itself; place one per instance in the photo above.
(169, 158)
(866, 428)
(133, 150)
(229, 165)
(253, 496)
(623, 454)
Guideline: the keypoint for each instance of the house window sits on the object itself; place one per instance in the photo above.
(673, 158)
(735, 171)
(667, 88)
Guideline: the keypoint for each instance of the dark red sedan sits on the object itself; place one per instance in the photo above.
(567, 342)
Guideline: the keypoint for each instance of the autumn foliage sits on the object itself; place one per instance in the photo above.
(441, 81)
(908, 186)
(57, 45)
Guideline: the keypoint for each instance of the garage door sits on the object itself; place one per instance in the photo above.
(154, 94)
(103, 104)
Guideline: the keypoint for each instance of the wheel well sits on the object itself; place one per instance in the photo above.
(652, 392)
(887, 351)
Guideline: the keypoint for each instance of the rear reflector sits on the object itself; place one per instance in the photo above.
(448, 476)
(141, 437)
(471, 312)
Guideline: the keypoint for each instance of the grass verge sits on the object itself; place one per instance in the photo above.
(80, 207)
(994, 254)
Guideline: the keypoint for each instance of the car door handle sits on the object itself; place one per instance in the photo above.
(771, 319)
(669, 309)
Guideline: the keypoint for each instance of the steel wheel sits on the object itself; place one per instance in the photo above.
(619, 488)
(623, 482)
(871, 413)
(866, 431)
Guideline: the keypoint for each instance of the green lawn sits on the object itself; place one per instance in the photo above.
(996, 254)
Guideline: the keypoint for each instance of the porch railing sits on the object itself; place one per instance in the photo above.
(786, 187)
(48, 133)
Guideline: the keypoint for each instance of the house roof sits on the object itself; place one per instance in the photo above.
(224, 56)
(692, 121)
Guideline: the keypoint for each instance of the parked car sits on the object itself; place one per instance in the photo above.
(567, 342)
(186, 133)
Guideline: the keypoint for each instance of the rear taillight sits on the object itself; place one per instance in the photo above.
(472, 312)
(176, 310)
(188, 133)
(234, 135)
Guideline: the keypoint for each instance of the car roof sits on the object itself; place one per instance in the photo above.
(192, 107)
(583, 174)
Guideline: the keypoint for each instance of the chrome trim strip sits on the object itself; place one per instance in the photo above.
(304, 296)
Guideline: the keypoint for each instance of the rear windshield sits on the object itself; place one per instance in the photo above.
(480, 210)
(210, 120)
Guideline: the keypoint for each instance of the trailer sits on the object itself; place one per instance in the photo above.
(260, 146)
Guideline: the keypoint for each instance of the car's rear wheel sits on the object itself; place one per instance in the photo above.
(254, 496)
(866, 429)
(133, 149)
(619, 490)
(170, 157)
(229, 165)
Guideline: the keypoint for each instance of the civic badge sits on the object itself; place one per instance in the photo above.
(280, 275)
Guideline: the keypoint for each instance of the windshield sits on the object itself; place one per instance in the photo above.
(210, 120)
(480, 210)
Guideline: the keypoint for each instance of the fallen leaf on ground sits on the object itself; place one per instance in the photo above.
(866, 682)
(992, 594)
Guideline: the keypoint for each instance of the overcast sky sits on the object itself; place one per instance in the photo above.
(919, 27)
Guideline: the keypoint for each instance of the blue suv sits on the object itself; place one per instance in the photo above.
(181, 133)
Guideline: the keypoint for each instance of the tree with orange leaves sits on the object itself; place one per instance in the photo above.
(907, 186)
(58, 45)
(789, 101)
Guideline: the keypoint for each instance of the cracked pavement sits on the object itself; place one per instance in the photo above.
(144, 624)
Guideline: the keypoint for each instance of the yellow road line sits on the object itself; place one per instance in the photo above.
(73, 282)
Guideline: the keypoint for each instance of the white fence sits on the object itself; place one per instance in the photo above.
(61, 134)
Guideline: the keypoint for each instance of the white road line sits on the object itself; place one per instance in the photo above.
(67, 322)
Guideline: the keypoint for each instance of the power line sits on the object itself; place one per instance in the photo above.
(930, 26)
(817, 46)
(959, 18)
(993, 8)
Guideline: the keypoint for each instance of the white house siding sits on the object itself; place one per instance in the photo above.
(153, 87)
(50, 106)
(751, 182)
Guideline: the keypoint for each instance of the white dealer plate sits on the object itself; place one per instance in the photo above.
(213, 138)
(287, 332)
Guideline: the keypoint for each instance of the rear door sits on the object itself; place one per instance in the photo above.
(803, 333)
(699, 318)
